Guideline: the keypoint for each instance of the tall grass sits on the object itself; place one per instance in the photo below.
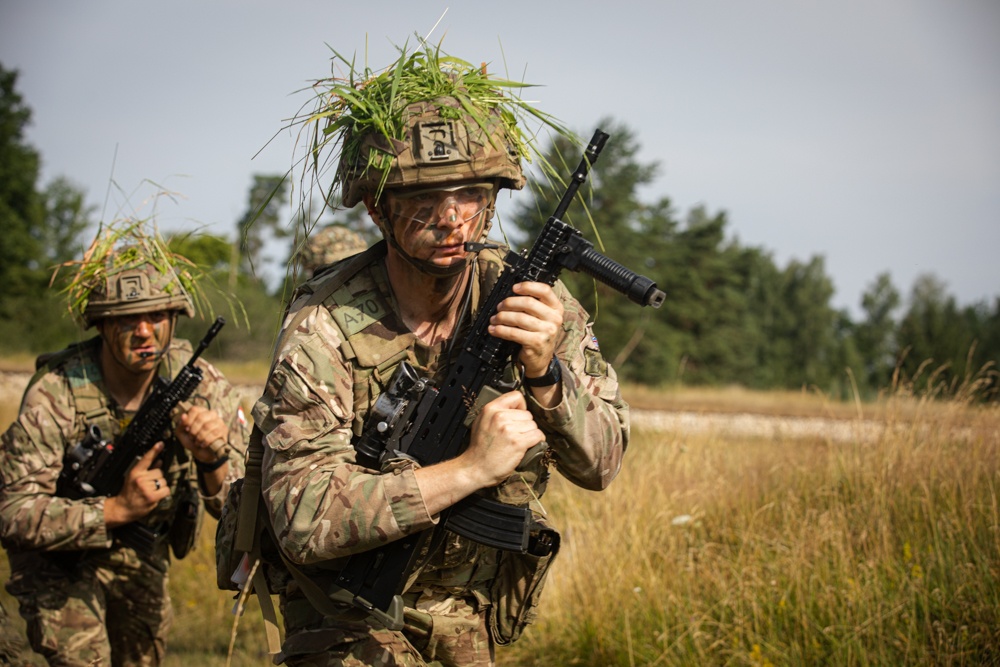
(768, 552)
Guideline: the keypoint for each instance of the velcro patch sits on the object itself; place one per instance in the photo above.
(360, 312)
(595, 365)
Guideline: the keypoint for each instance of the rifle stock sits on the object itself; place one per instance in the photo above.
(429, 424)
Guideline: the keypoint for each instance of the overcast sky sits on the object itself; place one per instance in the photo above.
(865, 132)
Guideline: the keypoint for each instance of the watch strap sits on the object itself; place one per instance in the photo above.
(552, 376)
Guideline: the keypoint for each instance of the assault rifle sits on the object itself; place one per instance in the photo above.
(428, 424)
(96, 467)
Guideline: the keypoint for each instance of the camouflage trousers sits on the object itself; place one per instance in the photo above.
(440, 631)
(111, 610)
(13, 647)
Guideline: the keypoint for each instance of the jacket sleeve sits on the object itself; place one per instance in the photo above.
(588, 431)
(321, 503)
(31, 457)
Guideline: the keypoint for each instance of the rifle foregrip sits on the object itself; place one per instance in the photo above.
(637, 288)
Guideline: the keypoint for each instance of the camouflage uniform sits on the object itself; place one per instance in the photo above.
(86, 598)
(13, 649)
(328, 245)
(325, 507)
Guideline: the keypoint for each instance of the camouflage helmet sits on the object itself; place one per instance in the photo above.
(442, 145)
(328, 245)
(136, 289)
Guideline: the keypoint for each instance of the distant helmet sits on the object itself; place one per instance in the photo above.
(443, 145)
(134, 290)
(328, 245)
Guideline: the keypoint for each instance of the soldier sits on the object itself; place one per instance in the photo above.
(86, 596)
(329, 245)
(412, 296)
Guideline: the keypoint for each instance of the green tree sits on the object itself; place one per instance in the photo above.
(813, 348)
(267, 194)
(935, 338)
(37, 231)
(875, 335)
(67, 218)
(767, 316)
(708, 301)
(21, 209)
(208, 251)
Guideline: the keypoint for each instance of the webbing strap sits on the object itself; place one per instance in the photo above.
(350, 268)
(259, 583)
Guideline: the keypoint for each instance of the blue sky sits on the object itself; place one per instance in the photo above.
(865, 132)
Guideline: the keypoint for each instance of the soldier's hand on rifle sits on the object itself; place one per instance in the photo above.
(533, 318)
(500, 435)
(142, 491)
(202, 432)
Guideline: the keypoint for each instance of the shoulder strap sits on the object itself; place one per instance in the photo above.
(89, 401)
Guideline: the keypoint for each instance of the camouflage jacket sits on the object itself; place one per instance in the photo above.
(52, 419)
(329, 371)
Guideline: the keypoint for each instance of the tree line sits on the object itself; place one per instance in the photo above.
(733, 315)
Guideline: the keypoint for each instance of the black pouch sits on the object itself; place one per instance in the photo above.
(187, 520)
(227, 558)
(517, 588)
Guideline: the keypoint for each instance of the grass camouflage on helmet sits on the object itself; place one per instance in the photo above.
(427, 119)
(127, 270)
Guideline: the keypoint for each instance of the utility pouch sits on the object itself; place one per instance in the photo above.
(517, 588)
(227, 558)
(187, 520)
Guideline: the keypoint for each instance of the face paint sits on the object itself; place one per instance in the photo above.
(137, 342)
(431, 226)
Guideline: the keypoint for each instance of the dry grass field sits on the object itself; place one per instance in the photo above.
(722, 546)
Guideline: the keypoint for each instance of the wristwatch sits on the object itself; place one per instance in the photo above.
(212, 466)
(552, 376)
